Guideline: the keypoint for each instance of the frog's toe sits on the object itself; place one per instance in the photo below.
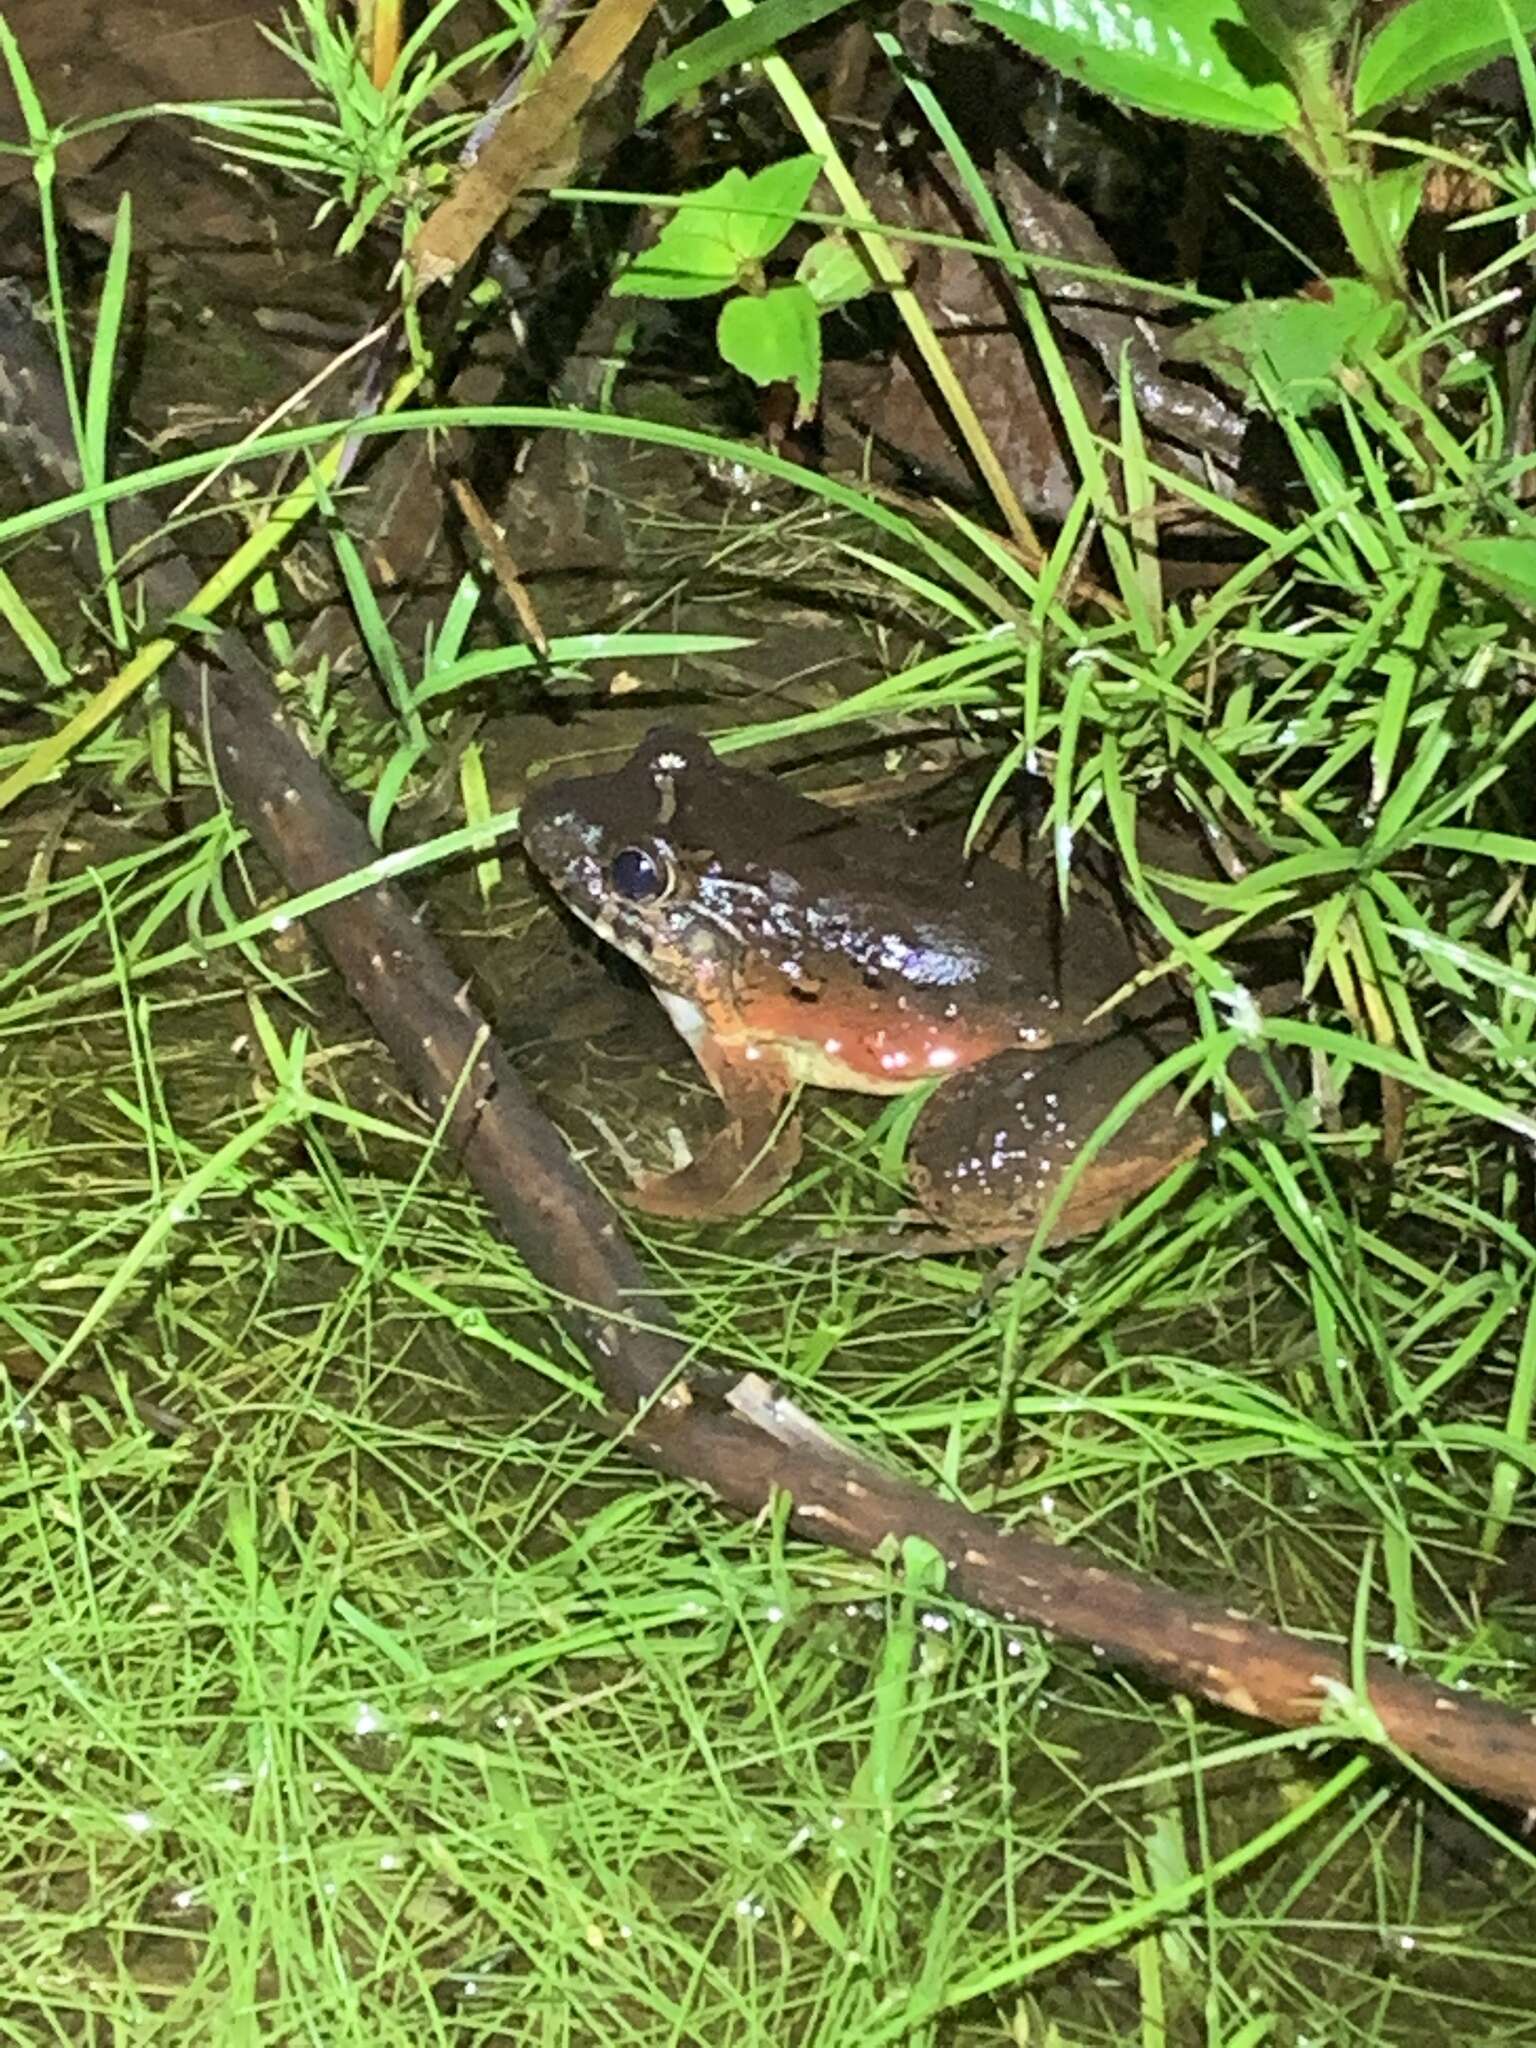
(733, 1173)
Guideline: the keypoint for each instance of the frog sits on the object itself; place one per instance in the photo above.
(797, 944)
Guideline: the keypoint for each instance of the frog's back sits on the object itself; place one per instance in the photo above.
(877, 928)
(872, 955)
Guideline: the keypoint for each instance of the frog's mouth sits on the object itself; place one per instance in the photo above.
(616, 925)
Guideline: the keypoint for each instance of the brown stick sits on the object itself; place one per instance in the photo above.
(1201, 1647)
(532, 141)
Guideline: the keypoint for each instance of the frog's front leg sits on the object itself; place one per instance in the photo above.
(739, 1167)
(991, 1148)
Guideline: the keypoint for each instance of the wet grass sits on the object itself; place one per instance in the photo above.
(386, 1703)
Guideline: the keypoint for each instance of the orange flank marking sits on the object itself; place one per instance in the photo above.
(825, 1047)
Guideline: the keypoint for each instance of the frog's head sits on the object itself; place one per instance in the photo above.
(633, 854)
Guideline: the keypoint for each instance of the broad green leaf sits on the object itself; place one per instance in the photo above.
(775, 339)
(1504, 561)
(1430, 43)
(1192, 60)
(723, 48)
(834, 273)
(1289, 349)
(694, 255)
(775, 196)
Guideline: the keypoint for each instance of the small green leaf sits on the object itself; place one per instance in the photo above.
(1290, 350)
(1192, 60)
(775, 196)
(694, 256)
(39, 133)
(1397, 194)
(775, 339)
(834, 273)
(1504, 561)
(1433, 42)
(721, 232)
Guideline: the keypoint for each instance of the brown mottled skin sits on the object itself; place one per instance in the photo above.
(792, 944)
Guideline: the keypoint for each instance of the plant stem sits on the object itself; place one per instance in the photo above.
(1324, 144)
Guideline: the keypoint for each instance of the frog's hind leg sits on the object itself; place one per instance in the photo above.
(994, 1145)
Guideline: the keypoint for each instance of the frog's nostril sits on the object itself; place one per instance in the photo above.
(535, 818)
(551, 834)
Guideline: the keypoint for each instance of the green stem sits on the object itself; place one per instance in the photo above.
(1323, 142)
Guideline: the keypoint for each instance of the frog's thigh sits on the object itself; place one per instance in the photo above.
(736, 1169)
(991, 1146)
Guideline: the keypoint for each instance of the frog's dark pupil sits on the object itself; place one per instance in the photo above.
(635, 876)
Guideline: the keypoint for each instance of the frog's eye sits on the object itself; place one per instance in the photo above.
(636, 876)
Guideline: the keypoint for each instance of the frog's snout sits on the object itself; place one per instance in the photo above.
(565, 847)
(550, 830)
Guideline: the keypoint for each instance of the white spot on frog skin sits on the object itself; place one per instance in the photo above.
(752, 1052)
(832, 1045)
(941, 1057)
(893, 1061)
